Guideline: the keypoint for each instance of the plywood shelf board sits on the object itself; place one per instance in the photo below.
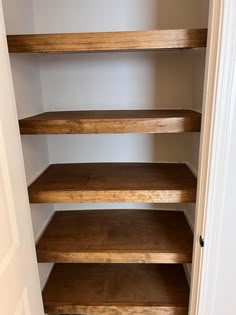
(110, 41)
(105, 289)
(112, 121)
(114, 182)
(116, 236)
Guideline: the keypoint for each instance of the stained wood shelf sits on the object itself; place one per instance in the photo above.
(104, 289)
(114, 182)
(116, 236)
(112, 121)
(112, 41)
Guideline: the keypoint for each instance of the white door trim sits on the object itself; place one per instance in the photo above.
(219, 103)
(19, 280)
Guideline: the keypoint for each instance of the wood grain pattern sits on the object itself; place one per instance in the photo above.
(112, 121)
(116, 236)
(112, 41)
(114, 182)
(117, 289)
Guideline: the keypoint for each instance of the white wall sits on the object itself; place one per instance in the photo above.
(223, 293)
(224, 287)
(19, 18)
(198, 84)
(85, 16)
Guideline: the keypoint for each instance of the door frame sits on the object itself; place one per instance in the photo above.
(20, 291)
(219, 102)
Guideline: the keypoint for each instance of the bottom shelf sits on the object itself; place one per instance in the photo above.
(116, 289)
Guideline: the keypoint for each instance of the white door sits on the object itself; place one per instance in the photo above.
(19, 282)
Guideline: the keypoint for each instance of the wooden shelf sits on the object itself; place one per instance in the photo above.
(105, 289)
(112, 121)
(112, 41)
(114, 182)
(116, 236)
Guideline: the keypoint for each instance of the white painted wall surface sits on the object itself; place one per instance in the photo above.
(85, 16)
(224, 301)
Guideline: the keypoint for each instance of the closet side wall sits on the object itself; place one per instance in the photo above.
(198, 84)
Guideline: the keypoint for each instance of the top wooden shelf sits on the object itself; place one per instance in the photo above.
(109, 41)
(112, 121)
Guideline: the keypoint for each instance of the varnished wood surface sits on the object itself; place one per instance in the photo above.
(112, 41)
(112, 121)
(114, 182)
(117, 289)
(116, 236)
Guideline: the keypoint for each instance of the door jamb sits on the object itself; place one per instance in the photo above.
(218, 105)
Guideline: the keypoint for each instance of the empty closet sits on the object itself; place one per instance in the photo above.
(109, 101)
